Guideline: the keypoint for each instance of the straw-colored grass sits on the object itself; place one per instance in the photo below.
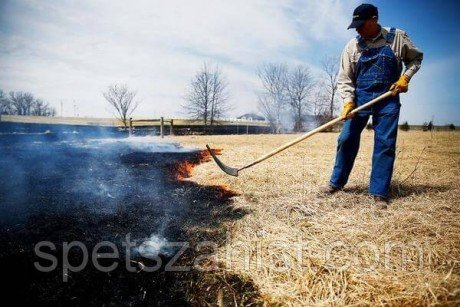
(301, 248)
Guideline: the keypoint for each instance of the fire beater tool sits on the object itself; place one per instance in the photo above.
(233, 171)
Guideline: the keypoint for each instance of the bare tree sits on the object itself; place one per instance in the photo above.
(21, 102)
(267, 107)
(219, 96)
(5, 106)
(320, 102)
(122, 100)
(39, 107)
(207, 98)
(298, 86)
(272, 99)
(330, 67)
(42, 108)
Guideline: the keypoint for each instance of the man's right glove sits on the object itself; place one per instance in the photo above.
(347, 108)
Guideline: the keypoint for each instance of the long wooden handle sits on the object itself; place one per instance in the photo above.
(319, 129)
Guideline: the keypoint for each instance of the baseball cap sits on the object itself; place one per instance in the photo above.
(363, 13)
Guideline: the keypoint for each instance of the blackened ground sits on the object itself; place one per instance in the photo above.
(62, 191)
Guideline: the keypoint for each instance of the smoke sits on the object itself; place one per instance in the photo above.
(153, 247)
(150, 144)
(68, 169)
(310, 122)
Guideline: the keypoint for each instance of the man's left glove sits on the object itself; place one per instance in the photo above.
(400, 86)
(347, 108)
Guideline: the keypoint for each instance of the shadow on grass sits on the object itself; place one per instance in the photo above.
(180, 211)
(402, 190)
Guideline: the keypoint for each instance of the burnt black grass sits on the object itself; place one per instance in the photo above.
(52, 190)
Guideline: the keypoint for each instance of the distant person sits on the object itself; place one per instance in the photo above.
(371, 64)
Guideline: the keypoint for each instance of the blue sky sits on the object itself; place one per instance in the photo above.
(434, 27)
(70, 51)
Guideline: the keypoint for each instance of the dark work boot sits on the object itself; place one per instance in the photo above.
(380, 202)
(329, 190)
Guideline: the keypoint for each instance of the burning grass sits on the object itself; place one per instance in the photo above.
(184, 168)
(300, 248)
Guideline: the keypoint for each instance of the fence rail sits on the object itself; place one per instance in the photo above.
(161, 122)
(91, 121)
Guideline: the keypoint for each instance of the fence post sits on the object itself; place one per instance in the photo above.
(171, 132)
(162, 123)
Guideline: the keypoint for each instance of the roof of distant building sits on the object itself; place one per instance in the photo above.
(251, 116)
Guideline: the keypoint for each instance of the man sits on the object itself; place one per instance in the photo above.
(371, 64)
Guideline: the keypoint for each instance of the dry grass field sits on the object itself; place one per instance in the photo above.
(301, 248)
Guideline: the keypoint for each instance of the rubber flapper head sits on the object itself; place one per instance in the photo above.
(227, 169)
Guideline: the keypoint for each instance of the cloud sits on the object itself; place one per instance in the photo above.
(71, 51)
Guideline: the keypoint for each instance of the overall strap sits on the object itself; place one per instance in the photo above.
(391, 36)
(361, 42)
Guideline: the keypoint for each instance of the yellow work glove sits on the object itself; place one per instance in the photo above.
(400, 86)
(347, 107)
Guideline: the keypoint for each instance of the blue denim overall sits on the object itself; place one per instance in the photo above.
(377, 69)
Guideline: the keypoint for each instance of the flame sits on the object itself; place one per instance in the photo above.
(184, 169)
(205, 156)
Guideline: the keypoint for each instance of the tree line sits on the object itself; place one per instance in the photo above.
(284, 89)
(24, 103)
(206, 98)
(296, 91)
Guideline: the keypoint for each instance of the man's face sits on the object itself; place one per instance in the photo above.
(369, 29)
